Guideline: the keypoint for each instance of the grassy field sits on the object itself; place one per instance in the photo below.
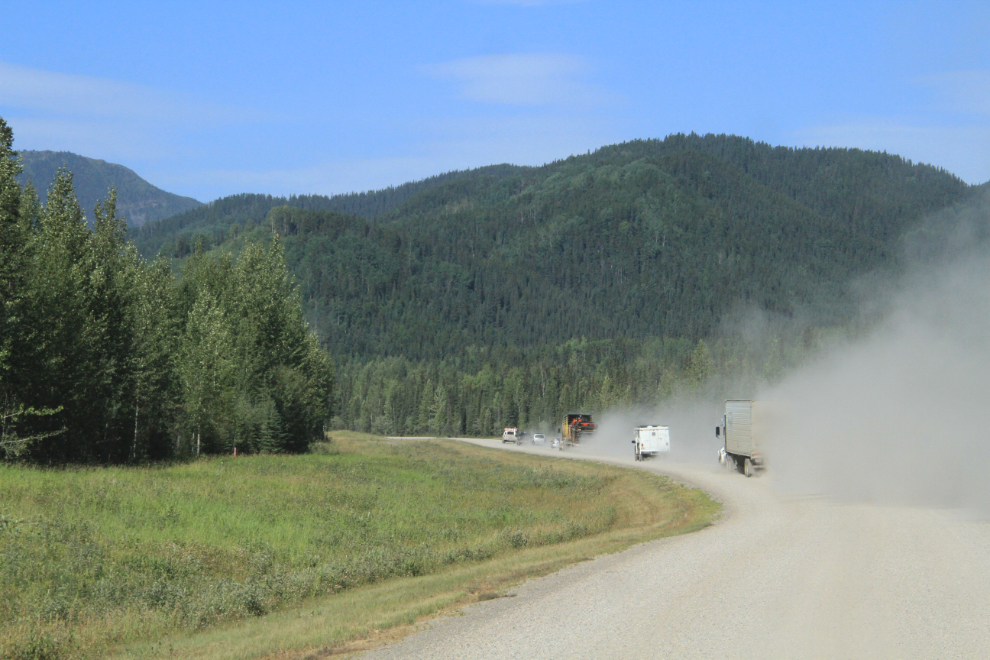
(272, 555)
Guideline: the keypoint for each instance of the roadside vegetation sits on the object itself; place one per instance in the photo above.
(106, 358)
(94, 560)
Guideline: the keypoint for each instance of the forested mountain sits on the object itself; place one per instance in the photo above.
(644, 239)
(137, 200)
(508, 295)
(459, 304)
(211, 222)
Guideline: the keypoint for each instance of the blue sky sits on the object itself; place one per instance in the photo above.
(213, 98)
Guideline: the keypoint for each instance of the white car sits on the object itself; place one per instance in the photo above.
(539, 439)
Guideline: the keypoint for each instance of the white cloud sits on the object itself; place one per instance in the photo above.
(535, 79)
(109, 139)
(102, 118)
(62, 94)
(962, 150)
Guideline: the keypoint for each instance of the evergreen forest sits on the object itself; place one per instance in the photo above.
(106, 357)
(509, 295)
(460, 304)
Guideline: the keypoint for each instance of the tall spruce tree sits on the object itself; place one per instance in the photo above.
(13, 246)
(105, 358)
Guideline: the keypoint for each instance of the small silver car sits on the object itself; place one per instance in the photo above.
(539, 439)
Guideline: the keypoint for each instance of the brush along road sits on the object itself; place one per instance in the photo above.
(776, 577)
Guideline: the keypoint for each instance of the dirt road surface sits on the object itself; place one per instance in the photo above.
(777, 577)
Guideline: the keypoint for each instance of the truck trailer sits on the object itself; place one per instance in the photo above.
(740, 430)
(651, 442)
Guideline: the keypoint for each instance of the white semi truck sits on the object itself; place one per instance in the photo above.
(740, 429)
(651, 441)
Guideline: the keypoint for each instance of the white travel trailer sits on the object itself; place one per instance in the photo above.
(651, 441)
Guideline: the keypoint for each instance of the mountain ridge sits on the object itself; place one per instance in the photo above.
(645, 238)
(138, 201)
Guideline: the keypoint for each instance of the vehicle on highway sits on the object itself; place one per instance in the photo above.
(555, 444)
(574, 426)
(651, 442)
(539, 439)
(510, 435)
(739, 429)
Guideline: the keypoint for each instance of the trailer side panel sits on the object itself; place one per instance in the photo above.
(739, 428)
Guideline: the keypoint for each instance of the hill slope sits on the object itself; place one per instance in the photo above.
(643, 239)
(211, 221)
(137, 200)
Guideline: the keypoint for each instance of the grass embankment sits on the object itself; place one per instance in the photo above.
(331, 546)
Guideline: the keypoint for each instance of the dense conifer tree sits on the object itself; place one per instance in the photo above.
(106, 358)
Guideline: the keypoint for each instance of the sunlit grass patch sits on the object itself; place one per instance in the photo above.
(91, 558)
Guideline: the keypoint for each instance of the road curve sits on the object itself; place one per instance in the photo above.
(776, 577)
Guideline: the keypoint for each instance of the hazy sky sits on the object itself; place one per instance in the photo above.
(212, 98)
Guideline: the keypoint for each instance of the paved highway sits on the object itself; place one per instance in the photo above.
(777, 576)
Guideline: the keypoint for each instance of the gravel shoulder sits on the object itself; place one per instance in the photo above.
(775, 577)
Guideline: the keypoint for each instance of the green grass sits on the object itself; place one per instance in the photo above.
(95, 558)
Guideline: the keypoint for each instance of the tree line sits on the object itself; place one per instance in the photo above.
(484, 390)
(107, 358)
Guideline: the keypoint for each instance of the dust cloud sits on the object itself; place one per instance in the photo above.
(899, 416)
(692, 431)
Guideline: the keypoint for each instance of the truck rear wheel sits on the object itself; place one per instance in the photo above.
(748, 467)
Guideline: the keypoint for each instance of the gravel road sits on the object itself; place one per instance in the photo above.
(776, 577)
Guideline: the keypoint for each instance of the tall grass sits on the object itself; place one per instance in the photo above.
(93, 557)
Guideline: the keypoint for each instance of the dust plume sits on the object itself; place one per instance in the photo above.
(692, 430)
(899, 416)
(896, 415)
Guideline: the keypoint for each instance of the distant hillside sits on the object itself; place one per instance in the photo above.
(214, 217)
(137, 200)
(643, 239)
